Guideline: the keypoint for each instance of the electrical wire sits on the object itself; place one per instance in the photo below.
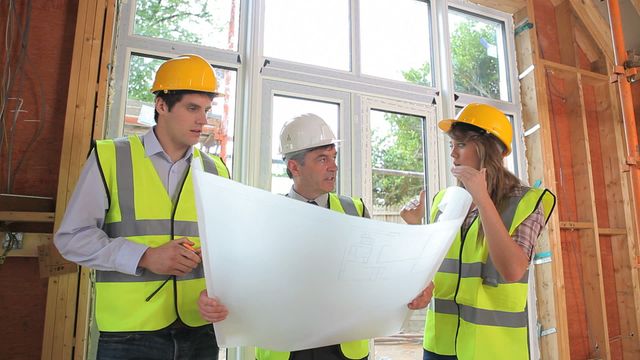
(42, 108)
(6, 72)
(12, 82)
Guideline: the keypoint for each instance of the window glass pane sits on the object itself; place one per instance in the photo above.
(286, 108)
(397, 159)
(203, 22)
(217, 135)
(395, 40)
(315, 32)
(478, 55)
(510, 160)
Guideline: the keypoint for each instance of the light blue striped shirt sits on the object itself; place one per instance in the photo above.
(80, 237)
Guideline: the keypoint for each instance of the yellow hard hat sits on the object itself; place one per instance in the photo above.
(186, 72)
(485, 117)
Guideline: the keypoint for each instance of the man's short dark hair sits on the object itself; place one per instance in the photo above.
(173, 97)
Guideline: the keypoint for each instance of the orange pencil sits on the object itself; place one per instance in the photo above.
(189, 247)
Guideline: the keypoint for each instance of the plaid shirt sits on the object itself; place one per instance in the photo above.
(526, 233)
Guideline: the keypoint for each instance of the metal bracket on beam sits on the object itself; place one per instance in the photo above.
(623, 71)
(544, 332)
(523, 27)
(542, 258)
(548, 331)
(632, 161)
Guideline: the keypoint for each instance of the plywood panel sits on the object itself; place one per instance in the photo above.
(547, 30)
(565, 24)
(578, 331)
(38, 82)
(595, 24)
(22, 304)
(591, 103)
(582, 270)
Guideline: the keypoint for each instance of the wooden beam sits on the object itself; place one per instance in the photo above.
(591, 259)
(575, 225)
(26, 216)
(550, 288)
(508, 6)
(599, 29)
(68, 297)
(586, 43)
(613, 231)
(636, 4)
(619, 195)
(565, 25)
(566, 69)
(61, 314)
(13, 202)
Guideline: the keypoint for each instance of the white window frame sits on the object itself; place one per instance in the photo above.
(511, 108)
(272, 88)
(351, 81)
(128, 44)
(431, 152)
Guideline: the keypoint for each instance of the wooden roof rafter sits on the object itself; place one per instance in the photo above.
(508, 6)
(636, 4)
(597, 27)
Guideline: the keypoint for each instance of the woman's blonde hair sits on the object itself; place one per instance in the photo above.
(500, 181)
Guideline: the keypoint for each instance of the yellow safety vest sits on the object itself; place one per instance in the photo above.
(474, 313)
(140, 210)
(357, 349)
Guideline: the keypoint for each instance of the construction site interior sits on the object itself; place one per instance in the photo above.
(576, 103)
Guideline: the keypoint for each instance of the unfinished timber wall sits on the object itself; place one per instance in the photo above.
(587, 281)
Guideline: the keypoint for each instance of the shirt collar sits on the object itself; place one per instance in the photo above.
(152, 146)
(321, 200)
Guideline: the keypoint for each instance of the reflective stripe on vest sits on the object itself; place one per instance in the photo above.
(140, 210)
(357, 349)
(488, 316)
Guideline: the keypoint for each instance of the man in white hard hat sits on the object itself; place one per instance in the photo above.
(308, 147)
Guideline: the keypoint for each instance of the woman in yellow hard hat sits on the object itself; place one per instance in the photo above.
(479, 304)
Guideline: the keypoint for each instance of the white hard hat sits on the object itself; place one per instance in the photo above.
(303, 132)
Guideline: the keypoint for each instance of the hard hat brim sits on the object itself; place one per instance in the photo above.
(446, 124)
(161, 91)
(335, 142)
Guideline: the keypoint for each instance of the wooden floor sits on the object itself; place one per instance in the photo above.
(399, 352)
(406, 346)
(401, 347)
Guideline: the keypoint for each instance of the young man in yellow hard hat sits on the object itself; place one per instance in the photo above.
(132, 218)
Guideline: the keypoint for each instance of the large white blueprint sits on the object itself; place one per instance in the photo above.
(296, 276)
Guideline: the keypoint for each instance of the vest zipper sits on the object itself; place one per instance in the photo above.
(173, 215)
(463, 237)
